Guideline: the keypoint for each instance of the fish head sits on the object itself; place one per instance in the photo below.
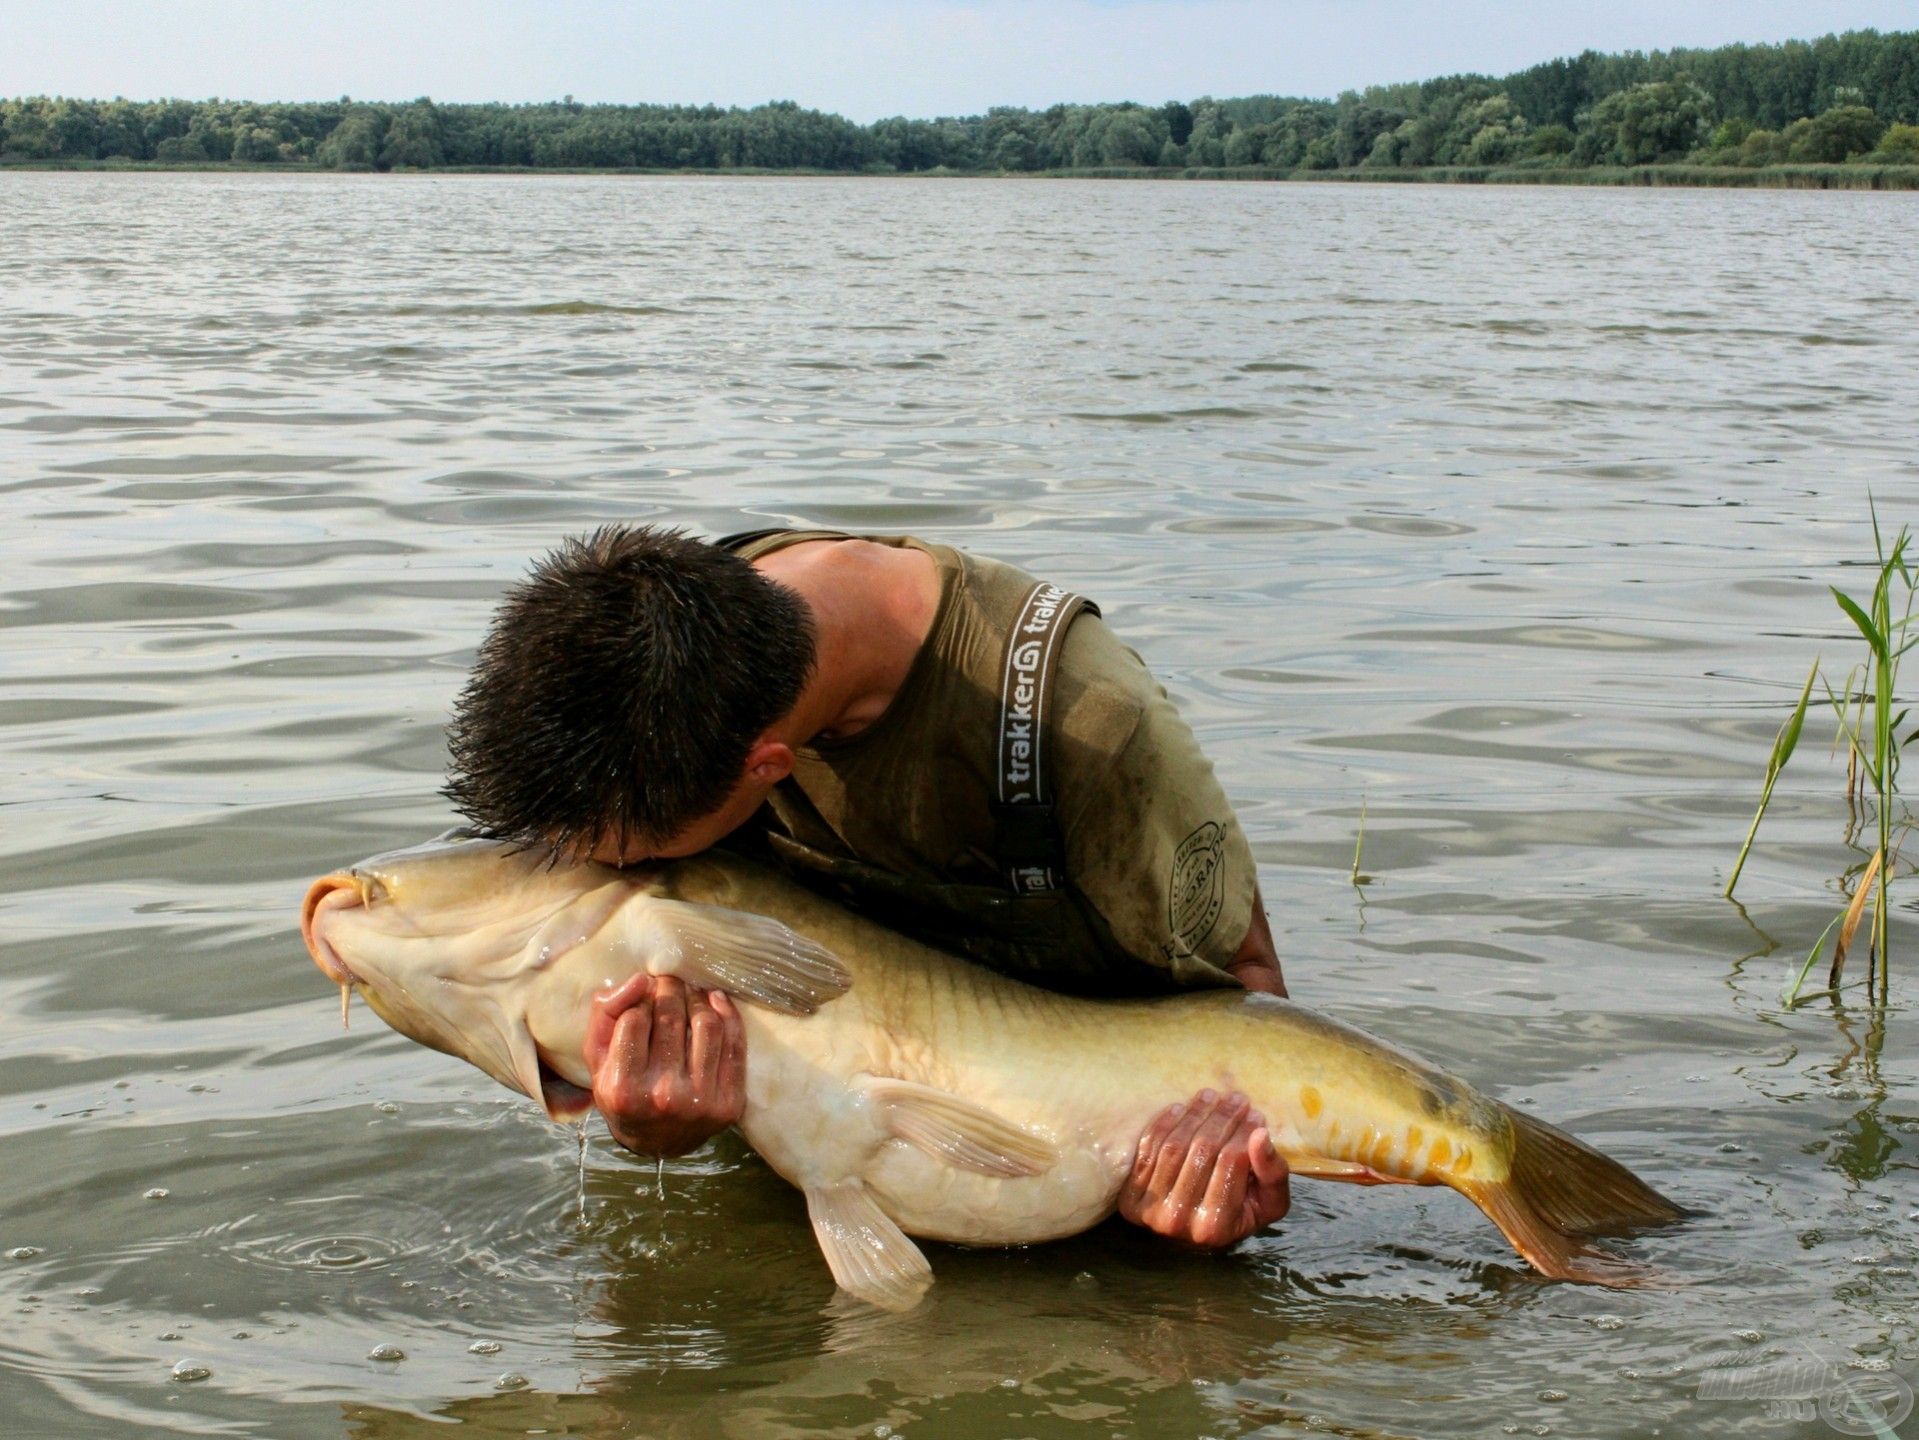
(452, 942)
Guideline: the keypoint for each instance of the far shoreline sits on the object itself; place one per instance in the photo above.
(1682, 176)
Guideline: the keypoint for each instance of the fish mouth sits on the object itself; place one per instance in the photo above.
(328, 896)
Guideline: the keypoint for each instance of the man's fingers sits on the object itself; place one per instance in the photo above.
(608, 1006)
(705, 1044)
(1146, 1155)
(1221, 1216)
(1171, 1157)
(1203, 1151)
(666, 1058)
(623, 1063)
(1272, 1191)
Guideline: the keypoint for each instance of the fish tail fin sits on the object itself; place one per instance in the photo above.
(1555, 1255)
(1576, 1189)
(1559, 1192)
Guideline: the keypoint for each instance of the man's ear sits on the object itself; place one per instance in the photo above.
(769, 761)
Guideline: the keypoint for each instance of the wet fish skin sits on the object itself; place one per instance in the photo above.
(910, 1093)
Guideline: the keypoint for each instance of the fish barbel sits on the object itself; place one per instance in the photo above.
(907, 1092)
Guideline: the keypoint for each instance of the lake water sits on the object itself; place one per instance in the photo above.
(1504, 514)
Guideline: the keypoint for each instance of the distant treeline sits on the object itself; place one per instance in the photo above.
(1837, 99)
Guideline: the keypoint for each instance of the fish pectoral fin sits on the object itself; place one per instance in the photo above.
(746, 955)
(952, 1128)
(869, 1255)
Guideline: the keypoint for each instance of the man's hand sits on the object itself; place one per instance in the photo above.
(668, 1063)
(1206, 1174)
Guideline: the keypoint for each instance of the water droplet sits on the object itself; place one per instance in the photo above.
(512, 1380)
(187, 1371)
(23, 1252)
(384, 1351)
(1553, 1397)
(484, 1347)
(158, 1192)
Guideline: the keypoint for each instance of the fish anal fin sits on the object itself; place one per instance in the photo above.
(746, 955)
(952, 1128)
(870, 1256)
(1553, 1254)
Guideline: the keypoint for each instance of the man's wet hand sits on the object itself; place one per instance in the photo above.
(1206, 1173)
(668, 1063)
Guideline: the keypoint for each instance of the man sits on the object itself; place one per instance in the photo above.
(936, 738)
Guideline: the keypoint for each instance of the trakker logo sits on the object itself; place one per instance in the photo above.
(1027, 661)
(1198, 889)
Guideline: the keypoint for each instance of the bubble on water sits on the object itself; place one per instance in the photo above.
(1731, 1148)
(187, 1371)
(1509, 1429)
(512, 1380)
(387, 1107)
(1554, 1397)
(1542, 1430)
(1869, 1362)
(484, 1347)
(170, 1335)
(386, 1351)
(23, 1252)
(158, 1192)
(1608, 1322)
(1751, 1337)
(1086, 1280)
(242, 1335)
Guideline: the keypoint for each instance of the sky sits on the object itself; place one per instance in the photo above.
(861, 58)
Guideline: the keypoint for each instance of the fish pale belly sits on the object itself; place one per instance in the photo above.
(1090, 1077)
(811, 1119)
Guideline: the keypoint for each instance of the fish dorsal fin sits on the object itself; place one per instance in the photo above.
(869, 1255)
(743, 954)
(952, 1128)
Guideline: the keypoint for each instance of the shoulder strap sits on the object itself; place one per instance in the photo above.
(747, 537)
(1026, 834)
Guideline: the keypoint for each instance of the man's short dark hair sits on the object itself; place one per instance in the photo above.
(620, 688)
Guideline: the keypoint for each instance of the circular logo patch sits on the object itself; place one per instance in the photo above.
(1198, 888)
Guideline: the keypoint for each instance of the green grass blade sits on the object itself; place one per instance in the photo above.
(1859, 617)
(1790, 996)
(1783, 744)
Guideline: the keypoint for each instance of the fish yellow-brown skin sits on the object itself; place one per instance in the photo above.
(911, 1093)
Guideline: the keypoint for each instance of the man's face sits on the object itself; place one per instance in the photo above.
(766, 767)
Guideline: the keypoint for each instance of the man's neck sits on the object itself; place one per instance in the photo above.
(873, 607)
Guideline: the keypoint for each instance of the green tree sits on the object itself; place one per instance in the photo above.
(354, 143)
(1648, 123)
(1898, 146)
(1835, 136)
(413, 138)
